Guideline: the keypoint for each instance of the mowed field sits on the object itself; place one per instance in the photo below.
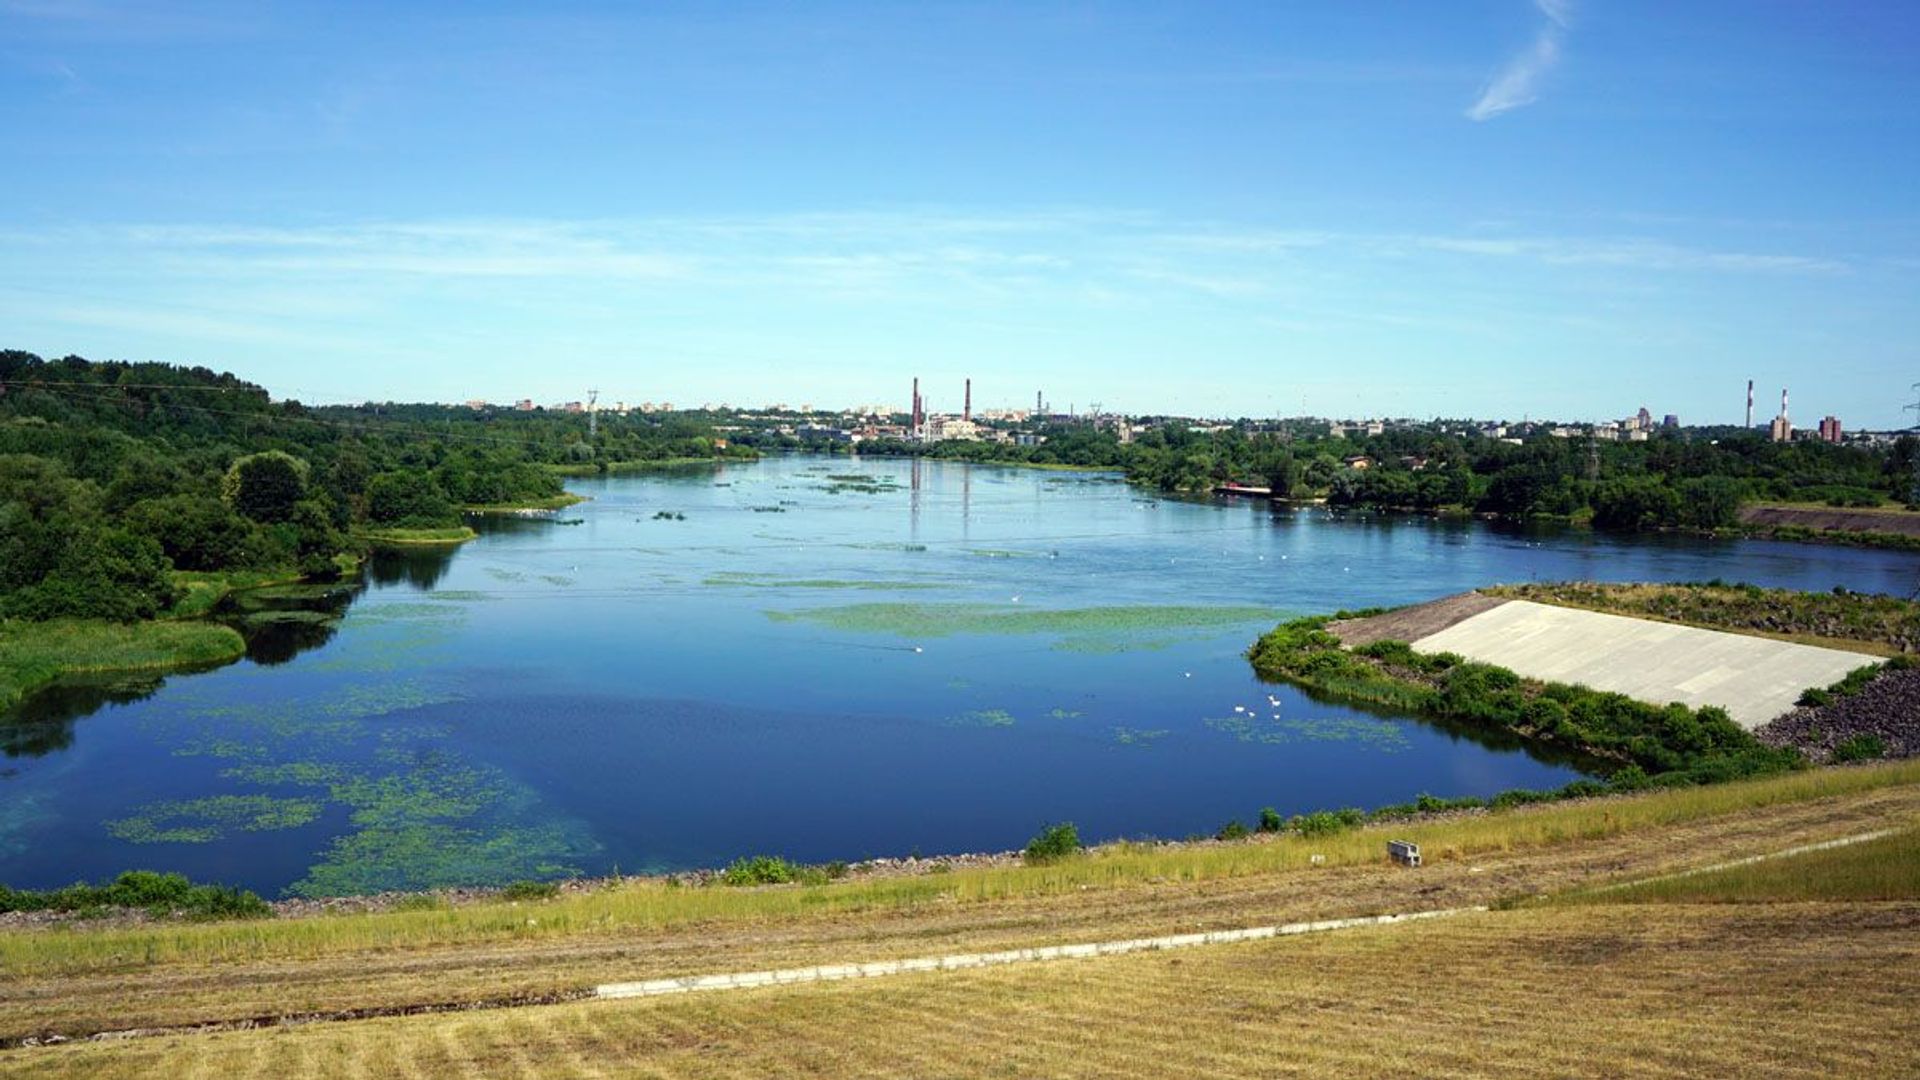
(1796, 966)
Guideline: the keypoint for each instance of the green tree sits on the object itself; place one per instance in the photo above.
(408, 498)
(265, 486)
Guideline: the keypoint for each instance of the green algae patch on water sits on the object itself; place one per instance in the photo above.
(742, 580)
(984, 718)
(1126, 736)
(1092, 630)
(200, 821)
(1377, 734)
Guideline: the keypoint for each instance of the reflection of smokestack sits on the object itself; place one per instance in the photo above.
(1749, 402)
(966, 410)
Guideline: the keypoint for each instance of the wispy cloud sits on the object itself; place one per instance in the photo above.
(1518, 83)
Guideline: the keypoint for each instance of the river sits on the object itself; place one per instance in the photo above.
(812, 657)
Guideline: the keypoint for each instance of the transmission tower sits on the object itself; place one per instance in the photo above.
(1914, 495)
(593, 414)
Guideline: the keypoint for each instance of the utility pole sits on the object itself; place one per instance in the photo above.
(1914, 495)
(593, 414)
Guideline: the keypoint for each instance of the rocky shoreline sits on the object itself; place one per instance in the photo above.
(1887, 709)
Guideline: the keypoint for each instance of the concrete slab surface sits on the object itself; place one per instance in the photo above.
(1755, 679)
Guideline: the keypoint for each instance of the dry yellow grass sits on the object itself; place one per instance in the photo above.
(1671, 990)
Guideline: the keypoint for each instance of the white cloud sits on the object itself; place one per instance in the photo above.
(1518, 83)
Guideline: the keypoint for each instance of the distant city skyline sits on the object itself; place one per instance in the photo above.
(1495, 209)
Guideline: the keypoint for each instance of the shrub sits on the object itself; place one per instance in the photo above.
(1328, 822)
(160, 895)
(1269, 819)
(1232, 830)
(530, 890)
(760, 870)
(1813, 698)
(1055, 842)
(1860, 748)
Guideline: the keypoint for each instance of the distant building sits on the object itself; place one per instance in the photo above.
(1780, 430)
(1830, 429)
(1642, 420)
(1357, 462)
(1670, 422)
(476, 403)
(524, 405)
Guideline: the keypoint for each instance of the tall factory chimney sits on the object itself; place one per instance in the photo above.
(913, 422)
(1749, 404)
(1783, 403)
(1038, 406)
(966, 410)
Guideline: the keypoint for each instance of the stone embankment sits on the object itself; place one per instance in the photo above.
(1888, 709)
(1899, 522)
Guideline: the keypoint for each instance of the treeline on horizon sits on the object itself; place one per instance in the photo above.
(119, 480)
(1683, 479)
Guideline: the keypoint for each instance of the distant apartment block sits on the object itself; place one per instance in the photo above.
(1830, 429)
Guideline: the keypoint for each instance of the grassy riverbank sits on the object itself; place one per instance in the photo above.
(405, 537)
(88, 980)
(557, 502)
(654, 905)
(34, 654)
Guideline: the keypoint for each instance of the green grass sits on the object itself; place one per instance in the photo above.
(457, 535)
(205, 590)
(654, 904)
(557, 502)
(34, 654)
(1883, 869)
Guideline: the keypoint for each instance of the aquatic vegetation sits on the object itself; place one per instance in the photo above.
(198, 821)
(1127, 736)
(1064, 714)
(1000, 553)
(774, 581)
(940, 620)
(1378, 734)
(434, 855)
(990, 718)
(289, 773)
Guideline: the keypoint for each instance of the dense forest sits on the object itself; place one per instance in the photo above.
(1672, 480)
(122, 482)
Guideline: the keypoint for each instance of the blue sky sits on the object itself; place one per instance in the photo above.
(1487, 207)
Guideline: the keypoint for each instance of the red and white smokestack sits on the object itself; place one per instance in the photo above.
(1749, 402)
(1783, 402)
(966, 410)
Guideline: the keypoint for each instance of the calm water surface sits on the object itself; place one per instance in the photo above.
(818, 658)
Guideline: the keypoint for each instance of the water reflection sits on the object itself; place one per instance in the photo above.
(43, 723)
(420, 566)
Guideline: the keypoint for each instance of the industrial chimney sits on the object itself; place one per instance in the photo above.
(913, 430)
(1749, 404)
(966, 409)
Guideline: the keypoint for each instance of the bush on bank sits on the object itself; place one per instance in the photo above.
(1650, 744)
(160, 895)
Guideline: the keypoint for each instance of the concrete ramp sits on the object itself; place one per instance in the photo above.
(1755, 679)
